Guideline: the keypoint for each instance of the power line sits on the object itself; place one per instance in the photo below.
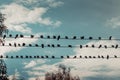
(116, 46)
(59, 57)
(57, 37)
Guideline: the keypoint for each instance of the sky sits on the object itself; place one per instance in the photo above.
(66, 18)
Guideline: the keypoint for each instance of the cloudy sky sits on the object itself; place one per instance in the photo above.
(62, 17)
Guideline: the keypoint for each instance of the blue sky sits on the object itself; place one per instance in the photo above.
(65, 17)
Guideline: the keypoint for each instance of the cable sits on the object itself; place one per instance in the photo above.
(56, 37)
(116, 46)
(59, 57)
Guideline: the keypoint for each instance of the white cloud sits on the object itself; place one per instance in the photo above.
(19, 28)
(113, 22)
(31, 64)
(45, 67)
(89, 67)
(92, 67)
(37, 71)
(19, 16)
